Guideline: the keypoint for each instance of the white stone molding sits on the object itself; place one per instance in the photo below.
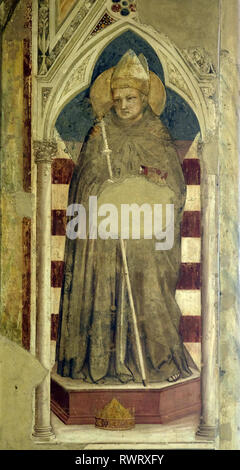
(44, 152)
(208, 422)
(77, 76)
(45, 94)
(82, 10)
(43, 34)
(79, 58)
(202, 66)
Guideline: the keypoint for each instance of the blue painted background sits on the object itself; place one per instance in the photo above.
(76, 118)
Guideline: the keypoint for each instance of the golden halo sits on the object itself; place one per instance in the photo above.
(101, 95)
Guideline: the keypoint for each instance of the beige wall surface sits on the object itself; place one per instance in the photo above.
(188, 23)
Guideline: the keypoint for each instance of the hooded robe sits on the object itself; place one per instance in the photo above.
(96, 340)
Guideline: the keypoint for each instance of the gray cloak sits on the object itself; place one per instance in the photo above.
(94, 342)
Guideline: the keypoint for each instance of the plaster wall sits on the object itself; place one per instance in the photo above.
(187, 23)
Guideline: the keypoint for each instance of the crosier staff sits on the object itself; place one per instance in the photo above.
(107, 152)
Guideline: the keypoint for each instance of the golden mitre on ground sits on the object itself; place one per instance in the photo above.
(115, 417)
(131, 72)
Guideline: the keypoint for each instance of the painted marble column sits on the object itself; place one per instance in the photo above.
(207, 427)
(44, 153)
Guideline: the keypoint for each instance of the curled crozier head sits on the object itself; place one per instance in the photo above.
(131, 72)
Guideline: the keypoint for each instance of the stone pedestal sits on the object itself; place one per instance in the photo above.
(77, 403)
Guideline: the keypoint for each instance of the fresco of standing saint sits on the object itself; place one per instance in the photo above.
(96, 334)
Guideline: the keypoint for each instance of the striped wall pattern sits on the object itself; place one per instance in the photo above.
(188, 293)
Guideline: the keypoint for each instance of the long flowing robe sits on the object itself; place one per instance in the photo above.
(96, 340)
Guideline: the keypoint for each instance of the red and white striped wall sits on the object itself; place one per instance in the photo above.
(188, 292)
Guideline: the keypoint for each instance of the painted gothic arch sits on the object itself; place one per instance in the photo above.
(73, 75)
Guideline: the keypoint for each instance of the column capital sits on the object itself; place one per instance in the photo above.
(44, 150)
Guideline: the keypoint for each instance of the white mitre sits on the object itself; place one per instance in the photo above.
(131, 72)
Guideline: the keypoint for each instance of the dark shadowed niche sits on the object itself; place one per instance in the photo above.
(76, 118)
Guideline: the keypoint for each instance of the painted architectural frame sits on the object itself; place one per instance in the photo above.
(60, 55)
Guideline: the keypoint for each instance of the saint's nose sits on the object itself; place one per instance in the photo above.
(123, 103)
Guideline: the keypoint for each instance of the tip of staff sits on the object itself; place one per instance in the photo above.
(144, 383)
